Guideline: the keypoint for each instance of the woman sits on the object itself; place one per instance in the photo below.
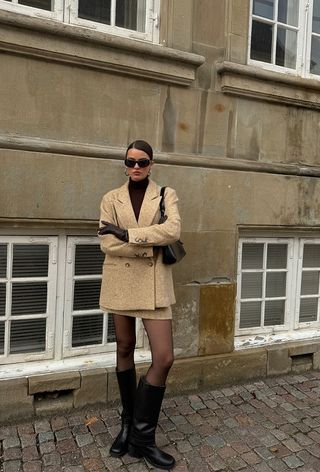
(136, 283)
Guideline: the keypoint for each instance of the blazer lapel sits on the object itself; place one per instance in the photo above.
(124, 210)
(150, 205)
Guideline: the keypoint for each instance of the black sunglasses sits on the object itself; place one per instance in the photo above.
(140, 162)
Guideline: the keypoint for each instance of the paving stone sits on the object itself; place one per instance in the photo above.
(216, 464)
(71, 459)
(226, 452)
(28, 439)
(84, 439)
(30, 453)
(25, 428)
(236, 463)
(93, 464)
(183, 446)
(33, 466)
(45, 437)
(97, 427)
(63, 434)
(262, 467)
(12, 454)
(292, 445)
(90, 451)
(66, 445)
(215, 441)
(42, 426)
(264, 453)
(140, 467)
(52, 458)
(7, 431)
(277, 465)
(103, 440)
(251, 458)
(47, 447)
(12, 466)
(178, 419)
(74, 468)
(59, 422)
(12, 441)
(293, 462)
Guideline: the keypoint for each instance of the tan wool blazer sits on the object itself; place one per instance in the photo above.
(134, 276)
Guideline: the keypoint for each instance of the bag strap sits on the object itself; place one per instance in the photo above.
(162, 207)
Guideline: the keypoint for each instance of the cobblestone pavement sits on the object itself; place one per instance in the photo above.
(264, 426)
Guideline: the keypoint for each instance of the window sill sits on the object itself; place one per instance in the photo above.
(94, 361)
(59, 42)
(254, 82)
(264, 340)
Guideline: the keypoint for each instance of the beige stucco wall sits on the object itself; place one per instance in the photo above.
(51, 98)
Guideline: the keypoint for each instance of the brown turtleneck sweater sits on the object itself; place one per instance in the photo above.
(136, 192)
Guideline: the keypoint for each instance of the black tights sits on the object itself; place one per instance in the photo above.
(160, 339)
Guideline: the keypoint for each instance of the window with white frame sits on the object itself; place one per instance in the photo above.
(84, 323)
(285, 36)
(278, 285)
(49, 299)
(28, 278)
(134, 18)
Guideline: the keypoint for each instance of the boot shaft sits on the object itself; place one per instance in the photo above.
(127, 387)
(146, 412)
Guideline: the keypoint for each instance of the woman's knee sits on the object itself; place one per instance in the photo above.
(164, 362)
(126, 347)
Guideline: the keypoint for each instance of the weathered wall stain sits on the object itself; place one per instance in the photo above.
(169, 124)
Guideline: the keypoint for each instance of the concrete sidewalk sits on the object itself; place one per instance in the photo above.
(270, 425)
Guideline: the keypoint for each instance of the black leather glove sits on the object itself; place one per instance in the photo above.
(109, 228)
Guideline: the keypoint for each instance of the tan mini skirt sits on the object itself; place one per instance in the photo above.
(157, 314)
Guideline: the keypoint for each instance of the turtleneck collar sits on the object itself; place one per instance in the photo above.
(141, 184)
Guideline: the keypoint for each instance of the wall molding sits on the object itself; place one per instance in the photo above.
(261, 84)
(84, 150)
(63, 43)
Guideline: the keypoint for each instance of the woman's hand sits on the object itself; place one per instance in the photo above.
(109, 228)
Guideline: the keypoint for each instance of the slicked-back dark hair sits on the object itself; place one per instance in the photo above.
(142, 146)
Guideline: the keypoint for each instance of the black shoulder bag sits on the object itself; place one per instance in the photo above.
(173, 252)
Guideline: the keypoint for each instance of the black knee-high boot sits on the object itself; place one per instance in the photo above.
(145, 419)
(127, 387)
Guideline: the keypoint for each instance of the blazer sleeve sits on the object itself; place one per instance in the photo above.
(109, 243)
(160, 234)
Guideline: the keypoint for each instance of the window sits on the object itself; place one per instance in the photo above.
(285, 36)
(49, 299)
(85, 324)
(133, 18)
(28, 278)
(278, 285)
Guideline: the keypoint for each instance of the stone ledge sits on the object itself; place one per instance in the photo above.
(59, 42)
(255, 82)
(50, 148)
(93, 388)
(54, 382)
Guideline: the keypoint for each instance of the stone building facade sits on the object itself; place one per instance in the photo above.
(228, 94)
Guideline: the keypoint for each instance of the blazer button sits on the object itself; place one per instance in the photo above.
(127, 264)
(150, 264)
